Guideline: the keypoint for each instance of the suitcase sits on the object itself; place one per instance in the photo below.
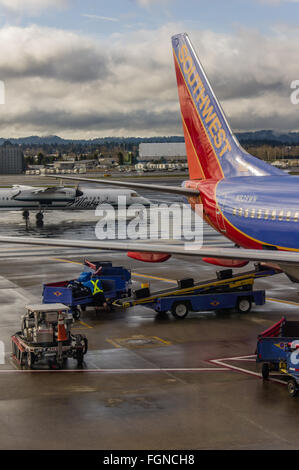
(141, 293)
(224, 274)
(184, 283)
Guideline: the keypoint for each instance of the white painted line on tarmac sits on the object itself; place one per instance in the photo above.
(198, 369)
(222, 362)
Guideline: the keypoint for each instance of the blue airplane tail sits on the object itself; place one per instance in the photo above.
(213, 151)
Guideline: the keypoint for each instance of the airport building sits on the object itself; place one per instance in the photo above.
(168, 151)
(11, 159)
(64, 164)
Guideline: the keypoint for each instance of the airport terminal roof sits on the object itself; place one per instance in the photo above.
(152, 150)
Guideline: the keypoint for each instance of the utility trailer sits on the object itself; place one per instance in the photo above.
(278, 351)
(181, 305)
(225, 292)
(39, 339)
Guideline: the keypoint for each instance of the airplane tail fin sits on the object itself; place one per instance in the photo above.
(213, 151)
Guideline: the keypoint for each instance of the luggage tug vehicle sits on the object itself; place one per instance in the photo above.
(46, 336)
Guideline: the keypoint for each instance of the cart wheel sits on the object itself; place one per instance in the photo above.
(292, 387)
(223, 311)
(30, 360)
(80, 356)
(85, 349)
(265, 371)
(243, 304)
(180, 310)
(108, 308)
(53, 364)
(76, 313)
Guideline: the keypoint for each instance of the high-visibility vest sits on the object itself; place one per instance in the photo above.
(96, 288)
(93, 286)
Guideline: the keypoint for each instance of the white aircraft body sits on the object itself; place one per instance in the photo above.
(26, 198)
(64, 198)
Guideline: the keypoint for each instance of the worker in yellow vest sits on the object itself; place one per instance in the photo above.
(94, 284)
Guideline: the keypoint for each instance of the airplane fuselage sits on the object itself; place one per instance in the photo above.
(89, 200)
(259, 212)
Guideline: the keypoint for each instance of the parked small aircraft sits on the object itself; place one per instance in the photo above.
(26, 198)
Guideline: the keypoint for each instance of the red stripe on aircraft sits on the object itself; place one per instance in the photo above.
(195, 168)
(201, 143)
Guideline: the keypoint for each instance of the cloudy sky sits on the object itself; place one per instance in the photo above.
(97, 68)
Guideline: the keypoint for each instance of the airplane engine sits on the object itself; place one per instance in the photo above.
(149, 257)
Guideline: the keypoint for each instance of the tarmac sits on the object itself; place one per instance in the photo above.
(148, 381)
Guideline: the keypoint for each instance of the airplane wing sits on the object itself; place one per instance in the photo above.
(279, 257)
(36, 190)
(151, 187)
(40, 194)
(48, 190)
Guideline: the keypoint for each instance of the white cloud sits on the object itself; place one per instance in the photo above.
(49, 53)
(148, 3)
(60, 82)
(101, 18)
(277, 2)
(32, 6)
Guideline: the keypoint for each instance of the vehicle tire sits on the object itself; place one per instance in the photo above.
(265, 371)
(76, 313)
(244, 304)
(54, 364)
(85, 349)
(180, 310)
(30, 360)
(161, 312)
(292, 387)
(80, 357)
(223, 311)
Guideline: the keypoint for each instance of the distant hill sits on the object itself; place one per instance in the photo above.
(288, 138)
(56, 140)
(264, 136)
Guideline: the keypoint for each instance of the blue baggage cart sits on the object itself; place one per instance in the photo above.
(180, 305)
(278, 351)
(226, 292)
(116, 283)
